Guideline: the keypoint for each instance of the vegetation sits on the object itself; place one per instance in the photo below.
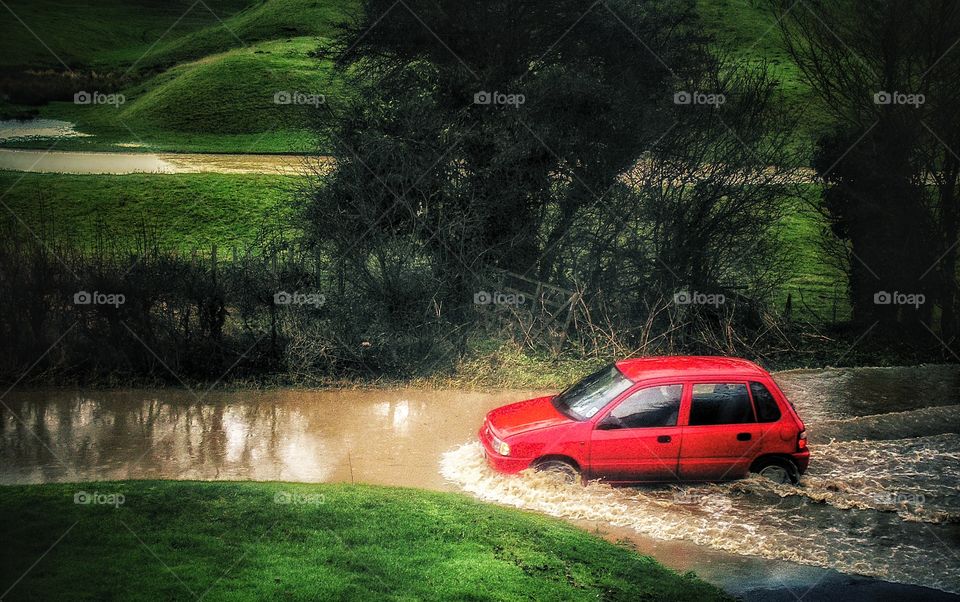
(599, 188)
(175, 212)
(887, 77)
(253, 541)
(207, 85)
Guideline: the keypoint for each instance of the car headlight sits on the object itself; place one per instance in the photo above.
(499, 446)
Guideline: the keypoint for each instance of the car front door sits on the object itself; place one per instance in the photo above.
(638, 439)
(721, 435)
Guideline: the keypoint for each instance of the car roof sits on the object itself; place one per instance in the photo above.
(683, 366)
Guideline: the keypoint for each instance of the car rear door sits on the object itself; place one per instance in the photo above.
(638, 438)
(721, 435)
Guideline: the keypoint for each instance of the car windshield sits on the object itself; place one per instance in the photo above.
(588, 396)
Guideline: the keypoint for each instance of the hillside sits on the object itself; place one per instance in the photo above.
(203, 80)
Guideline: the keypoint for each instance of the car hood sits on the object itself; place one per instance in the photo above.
(525, 416)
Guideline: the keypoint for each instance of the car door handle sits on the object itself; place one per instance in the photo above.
(743, 436)
(663, 439)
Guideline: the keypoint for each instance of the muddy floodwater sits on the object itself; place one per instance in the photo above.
(881, 497)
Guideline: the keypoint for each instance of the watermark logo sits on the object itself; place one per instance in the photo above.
(499, 98)
(898, 298)
(98, 298)
(710, 502)
(297, 298)
(98, 98)
(99, 499)
(290, 497)
(293, 97)
(899, 98)
(498, 298)
(698, 298)
(899, 498)
(696, 97)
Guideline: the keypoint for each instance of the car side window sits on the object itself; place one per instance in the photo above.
(720, 403)
(648, 407)
(767, 408)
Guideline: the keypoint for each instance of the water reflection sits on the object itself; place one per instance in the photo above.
(387, 437)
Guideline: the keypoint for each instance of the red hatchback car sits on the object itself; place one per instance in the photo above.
(679, 418)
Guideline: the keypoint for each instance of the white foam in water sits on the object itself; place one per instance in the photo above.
(836, 519)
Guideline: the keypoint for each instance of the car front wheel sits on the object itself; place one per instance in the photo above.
(566, 471)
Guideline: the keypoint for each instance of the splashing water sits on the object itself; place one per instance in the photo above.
(885, 509)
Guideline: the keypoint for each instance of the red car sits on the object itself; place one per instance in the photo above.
(679, 418)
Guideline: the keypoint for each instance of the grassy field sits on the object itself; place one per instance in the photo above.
(179, 211)
(147, 35)
(183, 540)
(205, 82)
(220, 103)
(194, 211)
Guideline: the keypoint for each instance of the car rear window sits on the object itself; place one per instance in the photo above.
(767, 408)
(720, 403)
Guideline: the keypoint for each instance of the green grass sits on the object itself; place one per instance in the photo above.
(194, 211)
(180, 211)
(221, 103)
(819, 289)
(181, 540)
(748, 32)
(206, 85)
(119, 34)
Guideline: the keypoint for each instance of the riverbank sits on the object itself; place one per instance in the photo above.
(265, 540)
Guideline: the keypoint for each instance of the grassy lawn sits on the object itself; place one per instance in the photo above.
(146, 35)
(220, 103)
(179, 211)
(183, 540)
(818, 288)
(206, 85)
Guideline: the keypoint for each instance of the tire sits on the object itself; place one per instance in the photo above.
(779, 470)
(567, 471)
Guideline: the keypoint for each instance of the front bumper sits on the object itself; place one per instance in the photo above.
(504, 464)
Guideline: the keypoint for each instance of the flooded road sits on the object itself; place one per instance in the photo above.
(881, 497)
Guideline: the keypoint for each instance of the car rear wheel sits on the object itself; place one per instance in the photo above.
(778, 470)
(565, 470)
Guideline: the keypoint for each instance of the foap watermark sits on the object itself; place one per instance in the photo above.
(291, 497)
(899, 98)
(898, 298)
(498, 298)
(498, 98)
(98, 98)
(98, 298)
(899, 498)
(96, 498)
(298, 298)
(696, 97)
(698, 298)
(293, 97)
(708, 501)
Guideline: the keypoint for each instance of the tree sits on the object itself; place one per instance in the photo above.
(887, 74)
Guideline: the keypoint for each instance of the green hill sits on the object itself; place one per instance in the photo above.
(202, 79)
(223, 102)
(118, 34)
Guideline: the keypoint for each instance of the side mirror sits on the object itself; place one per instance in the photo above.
(608, 423)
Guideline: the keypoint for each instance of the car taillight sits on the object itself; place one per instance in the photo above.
(802, 440)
